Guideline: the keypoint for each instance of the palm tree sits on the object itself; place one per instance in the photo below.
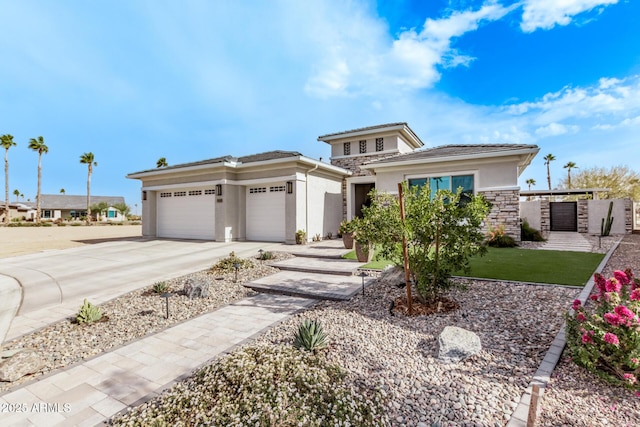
(16, 193)
(548, 159)
(568, 167)
(62, 191)
(37, 144)
(530, 182)
(162, 163)
(88, 159)
(7, 142)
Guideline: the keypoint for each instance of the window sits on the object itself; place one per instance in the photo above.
(195, 192)
(278, 188)
(379, 144)
(165, 194)
(451, 183)
(257, 190)
(46, 214)
(347, 148)
(112, 214)
(209, 191)
(363, 146)
(180, 193)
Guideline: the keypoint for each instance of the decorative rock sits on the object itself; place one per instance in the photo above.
(196, 289)
(456, 344)
(20, 364)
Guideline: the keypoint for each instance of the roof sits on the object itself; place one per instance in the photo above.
(230, 161)
(458, 152)
(402, 127)
(62, 201)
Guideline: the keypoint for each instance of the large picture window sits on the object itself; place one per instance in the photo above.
(450, 182)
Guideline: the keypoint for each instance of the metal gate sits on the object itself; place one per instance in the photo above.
(564, 216)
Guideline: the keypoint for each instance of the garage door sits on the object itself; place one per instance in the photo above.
(266, 213)
(187, 214)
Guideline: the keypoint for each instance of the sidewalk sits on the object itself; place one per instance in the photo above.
(90, 392)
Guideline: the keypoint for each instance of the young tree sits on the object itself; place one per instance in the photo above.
(99, 209)
(621, 181)
(547, 160)
(441, 233)
(37, 144)
(88, 159)
(530, 182)
(7, 142)
(162, 163)
(568, 167)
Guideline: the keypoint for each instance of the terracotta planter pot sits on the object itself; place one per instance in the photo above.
(347, 240)
(362, 255)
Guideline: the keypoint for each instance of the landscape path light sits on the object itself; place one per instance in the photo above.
(261, 252)
(166, 296)
(236, 266)
(363, 275)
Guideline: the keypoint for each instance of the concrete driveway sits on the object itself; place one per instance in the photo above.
(55, 283)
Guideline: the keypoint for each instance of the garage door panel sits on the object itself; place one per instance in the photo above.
(186, 214)
(266, 213)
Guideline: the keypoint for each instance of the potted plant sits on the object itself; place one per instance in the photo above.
(346, 229)
(363, 239)
(301, 237)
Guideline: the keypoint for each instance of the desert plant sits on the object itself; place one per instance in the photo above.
(606, 339)
(88, 313)
(310, 336)
(229, 263)
(301, 237)
(329, 236)
(497, 238)
(605, 227)
(160, 287)
(528, 233)
(266, 255)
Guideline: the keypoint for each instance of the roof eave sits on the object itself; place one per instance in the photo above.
(404, 129)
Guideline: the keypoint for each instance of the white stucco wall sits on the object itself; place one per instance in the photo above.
(325, 206)
(530, 210)
(488, 175)
(598, 209)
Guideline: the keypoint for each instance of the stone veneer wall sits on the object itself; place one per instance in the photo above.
(353, 164)
(583, 216)
(545, 216)
(628, 216)
(505, 211)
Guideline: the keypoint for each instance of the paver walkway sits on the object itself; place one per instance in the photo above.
(567, 241)
(92, 391)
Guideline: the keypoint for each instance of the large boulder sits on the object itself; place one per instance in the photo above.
(456, 344)
(194, 289)
(22, 363)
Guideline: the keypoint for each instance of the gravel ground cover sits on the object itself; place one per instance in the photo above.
(575, 397)
(396, 355)
(133, 316)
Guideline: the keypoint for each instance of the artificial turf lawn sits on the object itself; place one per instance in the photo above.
(373, 265)
(524, 265)
(539, 266)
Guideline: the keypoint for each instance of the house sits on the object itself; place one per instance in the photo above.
(269, 196)
(17, 210)
(62, 206)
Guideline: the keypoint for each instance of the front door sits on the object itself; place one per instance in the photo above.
(361, 197)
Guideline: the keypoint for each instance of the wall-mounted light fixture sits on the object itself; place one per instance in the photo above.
(218, 190)
(289, 187)
(144, 195)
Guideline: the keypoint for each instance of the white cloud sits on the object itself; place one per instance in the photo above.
(555, 129)
(545, 14)
(366, 61)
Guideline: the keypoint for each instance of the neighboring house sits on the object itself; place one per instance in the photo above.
(17, 210)
(62, 206)
(269, 196)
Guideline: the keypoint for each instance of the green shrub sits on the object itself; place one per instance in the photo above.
(88, 313)
(160, 287)
(228, 264)
(264, 386)
(497, 238)
(266, 255)
(529, 233)
(606, 339)
(310, 336)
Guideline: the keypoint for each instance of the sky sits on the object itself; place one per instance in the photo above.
(132, 81)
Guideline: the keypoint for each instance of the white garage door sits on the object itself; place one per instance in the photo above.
(266, 213)
(187, 214)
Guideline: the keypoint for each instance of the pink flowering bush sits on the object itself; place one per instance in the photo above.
(605, 338)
